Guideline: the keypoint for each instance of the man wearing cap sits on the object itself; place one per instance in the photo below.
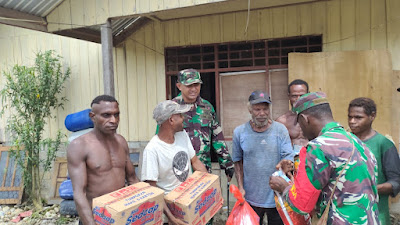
(258, 146)
(337, 172)
(201, 123)
(361, 115)
(296, 89)
(169, 157)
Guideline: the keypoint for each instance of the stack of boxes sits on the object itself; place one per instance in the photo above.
(195, 202)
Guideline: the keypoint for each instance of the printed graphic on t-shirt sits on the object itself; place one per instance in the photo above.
(180, 165)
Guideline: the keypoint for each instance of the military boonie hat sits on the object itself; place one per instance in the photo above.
(259, 97)
(309, 100)
(164, 110)
(189, 76)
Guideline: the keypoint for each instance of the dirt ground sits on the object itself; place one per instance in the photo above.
(54, 218)
(221, 217)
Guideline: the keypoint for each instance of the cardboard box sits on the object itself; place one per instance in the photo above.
(139, 203)
(197, 199)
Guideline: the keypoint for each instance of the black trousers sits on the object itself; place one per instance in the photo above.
(272, 215)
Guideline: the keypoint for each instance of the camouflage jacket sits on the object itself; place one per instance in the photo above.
(204, 130)
(355, 197)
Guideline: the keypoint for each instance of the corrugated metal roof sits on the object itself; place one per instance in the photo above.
(34, 7)
(41, 8)
(119, 25)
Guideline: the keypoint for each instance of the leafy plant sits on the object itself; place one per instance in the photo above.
(32, 93)
(65, 220)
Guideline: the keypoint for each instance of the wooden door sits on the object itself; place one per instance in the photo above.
(235, 89)
(278, 81)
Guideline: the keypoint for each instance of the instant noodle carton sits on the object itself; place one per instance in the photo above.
(197, 199)
(139, 203)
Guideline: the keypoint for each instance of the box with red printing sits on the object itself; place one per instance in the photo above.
(197, 199)
(139, 203)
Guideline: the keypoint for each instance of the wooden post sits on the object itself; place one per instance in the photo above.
(108, 67)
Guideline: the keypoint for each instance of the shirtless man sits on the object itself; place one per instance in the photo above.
(296, 89)
(98, 162)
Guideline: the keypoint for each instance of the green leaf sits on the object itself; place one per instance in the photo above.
(32, 94)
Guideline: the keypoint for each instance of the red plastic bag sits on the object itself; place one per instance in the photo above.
(242, 213)
(288, 216)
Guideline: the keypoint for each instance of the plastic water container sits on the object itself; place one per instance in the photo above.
(78, 121)
(65, 190)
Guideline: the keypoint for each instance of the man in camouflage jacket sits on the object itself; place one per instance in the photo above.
(330, 152)
(201, 123)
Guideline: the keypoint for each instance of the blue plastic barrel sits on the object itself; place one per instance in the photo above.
(65, 190)
(78, 121)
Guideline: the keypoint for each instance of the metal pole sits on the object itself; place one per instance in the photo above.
(108, 67)
(228, 197)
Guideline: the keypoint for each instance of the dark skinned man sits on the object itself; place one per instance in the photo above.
(98, 162)
(361, 115)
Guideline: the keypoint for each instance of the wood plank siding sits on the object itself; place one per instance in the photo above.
(344, 25)
(139, 61)
(140, 81)
(80, 13)
(367, 28)
(97, 11)
(19, 46)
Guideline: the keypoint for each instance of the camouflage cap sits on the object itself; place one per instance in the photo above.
(309, 100)
(189, 76)
(259, 97)
(164, 110)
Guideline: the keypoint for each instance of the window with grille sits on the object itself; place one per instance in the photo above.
(212, 59)
(239, 55)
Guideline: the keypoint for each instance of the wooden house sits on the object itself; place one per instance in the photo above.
(134, 49)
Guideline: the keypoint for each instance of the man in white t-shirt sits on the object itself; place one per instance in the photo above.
(169, 156)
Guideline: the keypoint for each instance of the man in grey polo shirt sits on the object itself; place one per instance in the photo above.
(258, 146)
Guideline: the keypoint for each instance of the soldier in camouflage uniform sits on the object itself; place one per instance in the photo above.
(201, 123)
(355, 197)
